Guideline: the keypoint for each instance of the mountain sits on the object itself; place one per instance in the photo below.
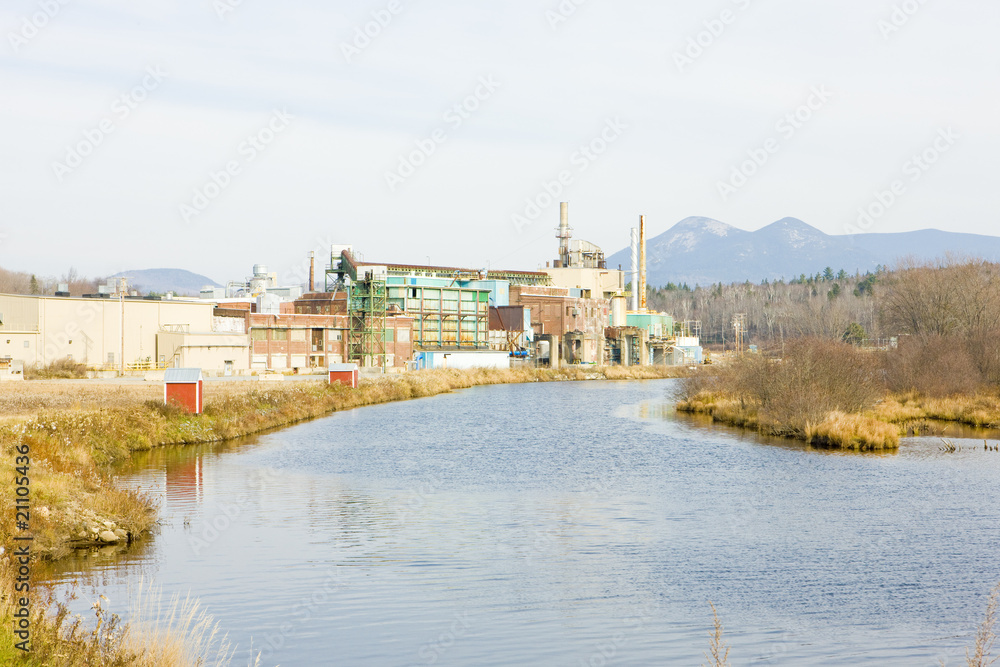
(178, 281)
(705, 251)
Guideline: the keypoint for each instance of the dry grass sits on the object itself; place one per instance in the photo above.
(981, 409)
(853, 431)
(63, 368)
(718, 655)
(982, 648)
(860, 432)
(173, 634)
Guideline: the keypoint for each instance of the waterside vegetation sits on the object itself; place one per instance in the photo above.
(942, 362)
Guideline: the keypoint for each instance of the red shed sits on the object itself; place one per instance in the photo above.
(344, 374)
(186, 387)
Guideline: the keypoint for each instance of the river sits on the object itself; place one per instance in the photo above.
(577, 523)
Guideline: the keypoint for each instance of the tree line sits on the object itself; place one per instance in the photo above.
(20, 282)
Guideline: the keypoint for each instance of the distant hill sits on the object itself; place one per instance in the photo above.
(178, 281)
(704, 251)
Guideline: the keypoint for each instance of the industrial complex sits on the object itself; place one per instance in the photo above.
(383, 317)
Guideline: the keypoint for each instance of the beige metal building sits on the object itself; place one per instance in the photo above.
(43, 329)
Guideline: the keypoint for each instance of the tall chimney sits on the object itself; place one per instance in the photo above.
(642, 264)
(564, 235)
(635, 268)
(312, 272)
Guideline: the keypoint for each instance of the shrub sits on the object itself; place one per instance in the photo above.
(64, 369)
(934, 366)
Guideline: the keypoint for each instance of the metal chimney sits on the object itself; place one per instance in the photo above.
(565, 233)
(642, 263)
(635, 268)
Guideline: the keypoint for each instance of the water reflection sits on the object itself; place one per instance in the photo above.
(565, 523)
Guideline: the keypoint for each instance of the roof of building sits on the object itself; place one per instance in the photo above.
(182, 375)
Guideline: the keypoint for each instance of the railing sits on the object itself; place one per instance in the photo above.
(149, 365)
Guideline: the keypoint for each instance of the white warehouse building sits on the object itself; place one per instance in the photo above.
(39, 330)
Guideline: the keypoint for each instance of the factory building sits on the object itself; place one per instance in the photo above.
(449, 307)
(109, 333)
(261, 284)
(571, 324)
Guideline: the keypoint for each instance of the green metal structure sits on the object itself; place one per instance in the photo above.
(366, 344)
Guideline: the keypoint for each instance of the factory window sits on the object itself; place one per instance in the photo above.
(413, 293)
(403, 335)
(279, 334)
(258, 334)
(299, 335)
(27, 344)
(387, 335)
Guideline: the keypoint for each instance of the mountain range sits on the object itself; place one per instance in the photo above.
(704, 251)
(178, 281)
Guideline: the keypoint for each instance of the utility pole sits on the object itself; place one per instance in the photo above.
(739, 325)
(122, 286)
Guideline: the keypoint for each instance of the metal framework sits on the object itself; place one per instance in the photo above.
(366, 342)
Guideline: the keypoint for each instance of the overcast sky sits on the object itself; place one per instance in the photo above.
(215, 134)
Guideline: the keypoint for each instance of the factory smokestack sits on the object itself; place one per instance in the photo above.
(312, 272)
(564, 234)
(642, 263)
(635, 268)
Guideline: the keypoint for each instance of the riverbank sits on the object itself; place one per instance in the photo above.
(872, 430)
(861, 432)
(77, 432)
(829, 394)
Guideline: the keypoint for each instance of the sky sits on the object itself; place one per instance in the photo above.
(216, 134)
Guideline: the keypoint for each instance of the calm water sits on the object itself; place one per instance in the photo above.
(566, 524)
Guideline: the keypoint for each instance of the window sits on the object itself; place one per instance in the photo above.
(258, 334)
(299, 335)
(279, 334)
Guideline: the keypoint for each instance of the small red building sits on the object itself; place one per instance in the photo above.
(184, 387)
(344, 374)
